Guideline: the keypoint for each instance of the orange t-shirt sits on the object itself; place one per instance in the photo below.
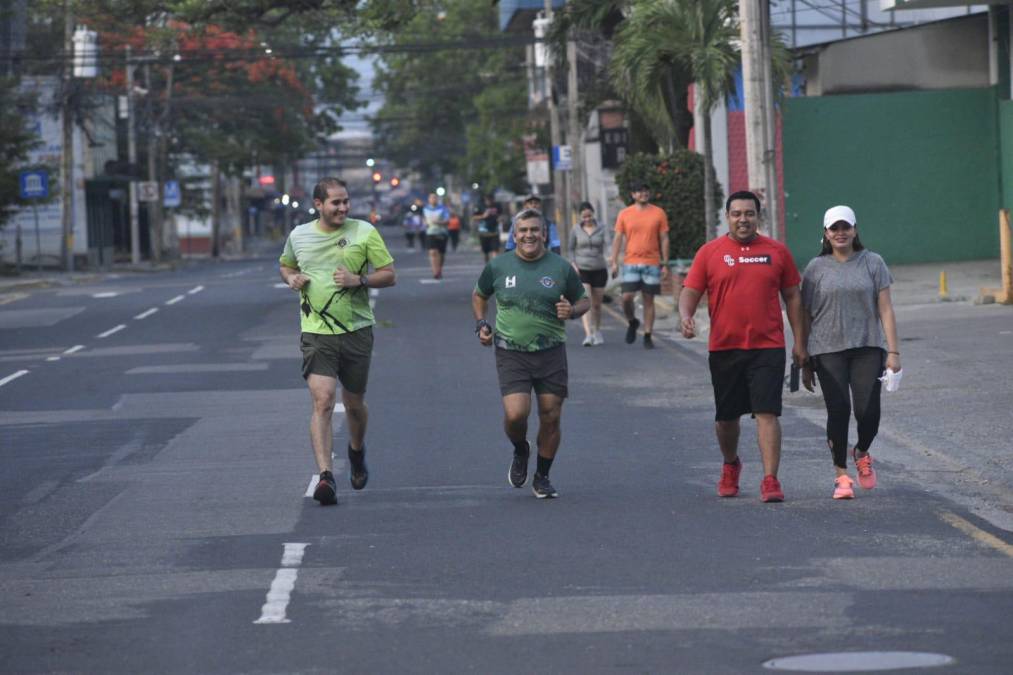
(642, 227)
(454, 223)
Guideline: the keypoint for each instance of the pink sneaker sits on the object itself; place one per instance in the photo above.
(844, 487)
(866, 474)
(770, 490)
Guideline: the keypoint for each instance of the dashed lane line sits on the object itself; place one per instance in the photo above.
(276, 605)
(173, 301)
(195, 290)
(146, 313)
(73, 350)
(12, 377)
(111, 331)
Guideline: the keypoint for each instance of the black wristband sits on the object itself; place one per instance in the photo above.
(364, 281)
(480, 324)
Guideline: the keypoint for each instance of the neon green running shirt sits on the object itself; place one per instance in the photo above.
(325, 308)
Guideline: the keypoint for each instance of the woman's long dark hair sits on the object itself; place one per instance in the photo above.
(827, 249)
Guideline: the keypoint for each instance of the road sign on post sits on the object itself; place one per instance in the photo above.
(562, 158)
(34, 184)
(147, 191)
(173, 197)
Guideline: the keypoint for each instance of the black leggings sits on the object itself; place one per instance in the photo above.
(851, 375)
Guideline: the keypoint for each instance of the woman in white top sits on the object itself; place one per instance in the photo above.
(851, 334)
(588, 243)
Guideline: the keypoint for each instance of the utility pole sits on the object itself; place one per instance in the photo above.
(575, 138)
(67, 194)
(155, 207)
(135, 230)
(557, 175)
(760, 124)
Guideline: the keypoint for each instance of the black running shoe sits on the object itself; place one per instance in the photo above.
(648, 341)
(326, 492)
(542, 488)
(518, 475)
(358, 472)
(631, 331)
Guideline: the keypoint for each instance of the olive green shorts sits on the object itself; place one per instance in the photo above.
(344, 356)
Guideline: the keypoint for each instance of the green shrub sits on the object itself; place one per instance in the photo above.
(676, 182)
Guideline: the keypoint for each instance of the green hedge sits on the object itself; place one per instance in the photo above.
(676, 182)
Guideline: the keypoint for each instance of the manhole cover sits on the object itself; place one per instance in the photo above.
(857, 662)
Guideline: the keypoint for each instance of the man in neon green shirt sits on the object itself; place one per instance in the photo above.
(328, 262)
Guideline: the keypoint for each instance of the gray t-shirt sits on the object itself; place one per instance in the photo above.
(842, 299)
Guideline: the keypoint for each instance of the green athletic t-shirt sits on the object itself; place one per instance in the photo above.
(317, 253)
(526, 296)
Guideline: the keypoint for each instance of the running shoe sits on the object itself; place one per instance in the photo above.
(326, 492)
(728, 486)
(358, 472)
(844, 487)
(518, 475)
(542, 488)
(631, 331)
(597, 338)
(588, 341)
(866, 474)
(770, 490)
(648, 341)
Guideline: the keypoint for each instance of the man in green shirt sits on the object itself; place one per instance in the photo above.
(328, 262)
(536, 291)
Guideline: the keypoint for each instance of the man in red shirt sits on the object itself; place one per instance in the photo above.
(643, 227)
(744, 273)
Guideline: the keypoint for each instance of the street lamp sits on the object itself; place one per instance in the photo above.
(370, 162)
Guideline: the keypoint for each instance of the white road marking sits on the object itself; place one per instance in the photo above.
(173, 301)
(373, 292)
(109, 332)
(146, 313)
(52, 358)
(339, 407)
(12, 377)
(429, 281)
(74, 350)
(281, 285)
(195, 289)
(106, 294)
(278, 596)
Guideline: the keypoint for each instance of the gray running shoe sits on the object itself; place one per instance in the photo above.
(518, 474)
(542, 488)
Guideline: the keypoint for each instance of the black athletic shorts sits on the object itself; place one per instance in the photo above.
(490, 242)
(594, 278)
(747, 381)
(345, 356)
(544, 370)
(437, 242)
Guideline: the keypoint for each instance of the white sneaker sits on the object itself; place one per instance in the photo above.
(597, 338)
(588, 341)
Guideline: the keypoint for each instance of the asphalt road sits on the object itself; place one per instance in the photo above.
(154, 518)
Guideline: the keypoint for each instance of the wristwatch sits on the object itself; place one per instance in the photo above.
(364, 280)
(480, 324)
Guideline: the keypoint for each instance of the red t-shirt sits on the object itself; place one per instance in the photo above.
(743, 284)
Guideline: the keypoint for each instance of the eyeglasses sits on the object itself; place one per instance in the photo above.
(839, 227)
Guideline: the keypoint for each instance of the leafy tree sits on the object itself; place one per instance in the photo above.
(433, 95)
(16, 141)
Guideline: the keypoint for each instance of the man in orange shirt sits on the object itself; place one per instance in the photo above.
(643, 228)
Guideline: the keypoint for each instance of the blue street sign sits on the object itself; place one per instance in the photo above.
(173, 197)
(34, 184)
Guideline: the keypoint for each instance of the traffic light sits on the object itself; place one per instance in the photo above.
(395, 181)
(377, 176)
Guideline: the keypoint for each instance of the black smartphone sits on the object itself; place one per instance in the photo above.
(793, 378)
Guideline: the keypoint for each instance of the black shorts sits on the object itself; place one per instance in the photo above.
(594, 278)
(747, 381)
(490, 242)
(544, 370)
(437, 242)
(345, 356)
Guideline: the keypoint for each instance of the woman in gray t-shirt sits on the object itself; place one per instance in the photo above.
(851, 334)
(589, 242)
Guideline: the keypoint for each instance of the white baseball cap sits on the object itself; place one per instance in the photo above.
(837, 213)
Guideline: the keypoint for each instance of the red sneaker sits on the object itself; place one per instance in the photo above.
(728, 486)
(866, 474)
(770, 490)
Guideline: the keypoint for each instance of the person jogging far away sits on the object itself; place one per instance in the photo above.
(486, 221)
(437, 219)
(641, 234)
(745, 275)
(588, 246)
(536, 292)
(328, 261)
